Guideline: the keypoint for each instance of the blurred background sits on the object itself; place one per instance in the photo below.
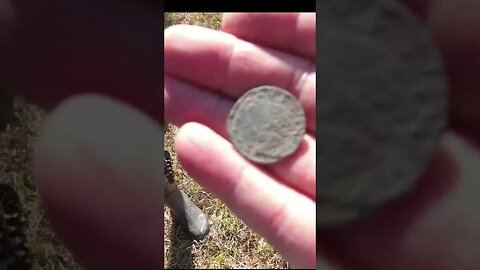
(230, 243)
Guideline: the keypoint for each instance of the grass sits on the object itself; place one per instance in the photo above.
(16, 156)
(230, 243)
(210, 20)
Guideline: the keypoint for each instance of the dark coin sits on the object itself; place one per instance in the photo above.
(381, 104)
(266, 124)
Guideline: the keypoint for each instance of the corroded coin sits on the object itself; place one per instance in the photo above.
(266, 124)
(381, 105)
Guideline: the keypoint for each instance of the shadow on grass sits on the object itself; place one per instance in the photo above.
(181, 247)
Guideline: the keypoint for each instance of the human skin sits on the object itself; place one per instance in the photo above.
(435, 227)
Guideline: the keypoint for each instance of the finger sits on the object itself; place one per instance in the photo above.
(284, 217)
(51, 50)
(99, 172)
(434, 227)
(218, 61)
(186, 103)
(454, 27)
(420, 8)
(292, 32)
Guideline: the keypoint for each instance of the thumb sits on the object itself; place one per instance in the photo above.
(99, 171)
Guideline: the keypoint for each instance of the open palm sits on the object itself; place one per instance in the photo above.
(206, 71)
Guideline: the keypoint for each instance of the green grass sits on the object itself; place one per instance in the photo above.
(230, 243)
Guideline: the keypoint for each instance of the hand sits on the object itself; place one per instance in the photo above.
(98, 164)
(437, 225)
(205, 72)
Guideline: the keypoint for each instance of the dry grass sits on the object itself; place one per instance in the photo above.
(230, 243)
(210, 20)
(16, 153)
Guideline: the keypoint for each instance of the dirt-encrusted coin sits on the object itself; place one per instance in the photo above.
(381, 105)
(266, 124)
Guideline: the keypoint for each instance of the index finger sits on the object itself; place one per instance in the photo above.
(221, 63)
(454, 25)
(294, 32)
